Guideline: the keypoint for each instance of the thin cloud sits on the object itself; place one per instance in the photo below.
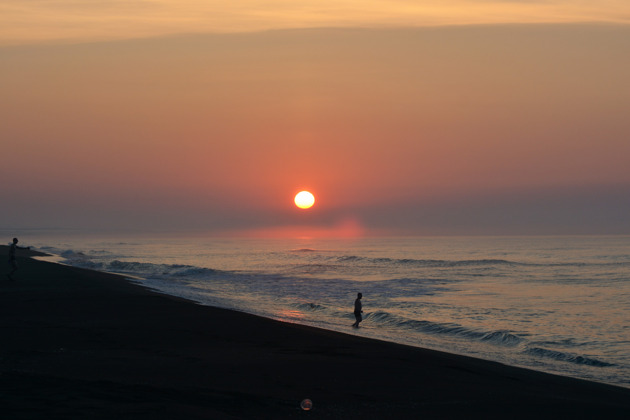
(36, 21)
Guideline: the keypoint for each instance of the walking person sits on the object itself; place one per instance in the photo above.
(358, 310)
(12, 261)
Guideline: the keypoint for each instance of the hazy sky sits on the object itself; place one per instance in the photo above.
(53, 20)
(429, 117)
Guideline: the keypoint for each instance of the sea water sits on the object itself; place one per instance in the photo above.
(554, 304)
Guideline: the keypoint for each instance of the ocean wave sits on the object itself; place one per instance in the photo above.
(585, 264)
(140, 269)
(565, 342)
(72, 254)
(425, 263)
(193, 271)
(312, 268)
(310, 250)
(134, 267)
(566, 357)
(498, 338)
(309, 307)
(168, 270)
(80, 259)
(503, 338)
(409, 287)
(436, 263)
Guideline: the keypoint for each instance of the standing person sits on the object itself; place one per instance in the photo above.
(12, 261)
(358, 310)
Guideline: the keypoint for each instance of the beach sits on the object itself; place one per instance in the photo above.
(78, 343)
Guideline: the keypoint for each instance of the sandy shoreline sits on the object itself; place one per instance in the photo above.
(83, 344)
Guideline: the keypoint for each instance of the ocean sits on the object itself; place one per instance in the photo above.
(554, 304)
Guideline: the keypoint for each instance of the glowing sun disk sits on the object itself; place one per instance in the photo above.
(304, 200)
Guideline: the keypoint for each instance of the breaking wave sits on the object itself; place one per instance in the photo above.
(425, 263)
(566, 357)
(433, 263)
(498, 338)
(135, 268)
(446, 263)
(309, 307)
(177, 270)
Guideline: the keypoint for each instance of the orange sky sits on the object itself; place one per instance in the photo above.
(68, 20)
(403, 129)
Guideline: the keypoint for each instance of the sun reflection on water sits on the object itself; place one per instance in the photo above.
(290, 315)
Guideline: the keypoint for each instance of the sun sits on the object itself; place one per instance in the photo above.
(304, 200)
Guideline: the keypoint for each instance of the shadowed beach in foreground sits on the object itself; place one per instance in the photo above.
(83, 344)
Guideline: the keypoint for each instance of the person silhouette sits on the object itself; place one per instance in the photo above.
(12, 261)
(358, 310)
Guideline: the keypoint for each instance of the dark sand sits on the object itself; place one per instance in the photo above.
(83, 344)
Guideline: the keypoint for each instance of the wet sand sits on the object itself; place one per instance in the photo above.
(83, 344)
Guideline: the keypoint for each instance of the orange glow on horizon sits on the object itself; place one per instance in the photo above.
(344, 229)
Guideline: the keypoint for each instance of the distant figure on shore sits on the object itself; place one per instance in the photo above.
(358, 310)
(12, 261)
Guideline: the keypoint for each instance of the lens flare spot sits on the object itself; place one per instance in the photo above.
(306, 404)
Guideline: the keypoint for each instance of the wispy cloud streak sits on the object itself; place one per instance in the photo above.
(34, 21)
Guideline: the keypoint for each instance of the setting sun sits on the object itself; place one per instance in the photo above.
(304, 200)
